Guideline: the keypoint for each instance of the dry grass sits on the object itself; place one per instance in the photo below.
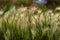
(30, 24)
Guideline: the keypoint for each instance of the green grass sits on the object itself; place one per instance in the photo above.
(28, 24)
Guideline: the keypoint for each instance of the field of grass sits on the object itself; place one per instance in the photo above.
(30, 24)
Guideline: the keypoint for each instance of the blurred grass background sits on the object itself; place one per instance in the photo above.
(31, 23)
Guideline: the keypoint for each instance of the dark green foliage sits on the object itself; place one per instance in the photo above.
(7, 7)
(2, 35)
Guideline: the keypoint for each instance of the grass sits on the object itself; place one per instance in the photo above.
(30, 24)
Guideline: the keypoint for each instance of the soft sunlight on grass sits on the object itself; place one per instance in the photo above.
(30, 24)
